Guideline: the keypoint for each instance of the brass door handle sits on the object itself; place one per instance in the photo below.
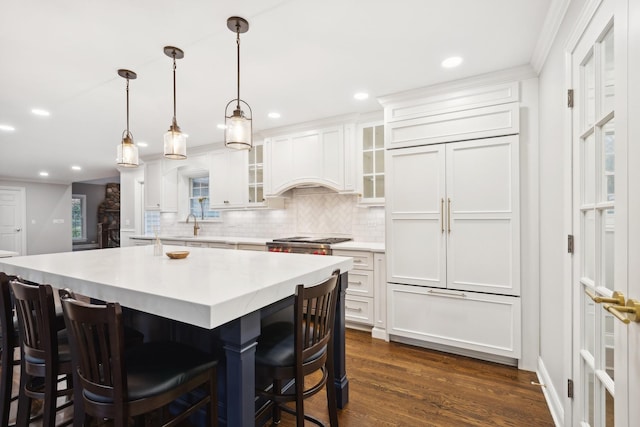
(617, 297)
(632, 309)
(616, 306)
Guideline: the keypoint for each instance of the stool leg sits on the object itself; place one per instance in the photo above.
(331, 393)
(6, 379)
(24, 401)
(277, 412)
(49, 404)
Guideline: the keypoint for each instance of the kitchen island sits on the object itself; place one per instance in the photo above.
(211, 289)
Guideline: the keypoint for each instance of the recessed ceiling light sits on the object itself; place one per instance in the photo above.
(76, 168)
(221, 126)
(451, 62)
(40, 112)
(274, 115)
(43, 173)
(142, 144)
(360, 96)
(7, 128)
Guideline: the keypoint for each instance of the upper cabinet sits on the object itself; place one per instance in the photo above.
(256, 175)
(371, 163)
(467, 114)
(160, 187)
(228, 179)
(315, 157)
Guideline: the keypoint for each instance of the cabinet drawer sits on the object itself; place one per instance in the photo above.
(360, 283)
(474, 321)
(221, 245)
(196, 244)
(361, 260)
(358, 309)
(249, 247)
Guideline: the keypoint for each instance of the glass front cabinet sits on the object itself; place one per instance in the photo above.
(256, 181)
(371, 148)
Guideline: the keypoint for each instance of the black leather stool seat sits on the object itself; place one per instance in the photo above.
(275, 346)
(64, 350)
(155, 368)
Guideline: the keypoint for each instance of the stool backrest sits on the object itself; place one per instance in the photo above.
(7, 331)
(96, 334)
(315, 309)
(35, 308)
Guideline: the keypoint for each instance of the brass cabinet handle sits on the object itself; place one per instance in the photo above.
(449, 214)
(442, 214)
(353, 308)
(355, 283)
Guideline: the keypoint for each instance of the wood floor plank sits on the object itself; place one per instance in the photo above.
(392, 384)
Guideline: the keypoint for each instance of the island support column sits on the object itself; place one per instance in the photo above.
(239, 337)
(339, 360)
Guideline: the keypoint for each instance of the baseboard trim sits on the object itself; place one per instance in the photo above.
(554, 403)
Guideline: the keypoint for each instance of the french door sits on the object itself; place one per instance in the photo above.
(600, 331)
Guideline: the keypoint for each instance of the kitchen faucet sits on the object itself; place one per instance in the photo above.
(196, 227)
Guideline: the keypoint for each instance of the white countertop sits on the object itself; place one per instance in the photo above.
(210, 239)
(208, 288)
(349, 246)
(359, 246)
(5, 254)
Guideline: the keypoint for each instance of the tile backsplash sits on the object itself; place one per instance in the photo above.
(310, 212)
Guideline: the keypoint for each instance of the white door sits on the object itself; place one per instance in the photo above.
(12, 220)
(600, 361)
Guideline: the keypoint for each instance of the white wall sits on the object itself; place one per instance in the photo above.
(46, 203)
(553, 233)
(308, 212)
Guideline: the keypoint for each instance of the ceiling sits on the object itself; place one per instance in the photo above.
(302, 58)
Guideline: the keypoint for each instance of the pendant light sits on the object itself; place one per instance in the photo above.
(127, 151)
(237, 132)
(175, 142)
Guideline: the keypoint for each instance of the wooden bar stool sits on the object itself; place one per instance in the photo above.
(45, 355)
(118, 383)
(295, 350)
(9, 341)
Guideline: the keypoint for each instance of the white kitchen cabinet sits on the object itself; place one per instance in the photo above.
(371, 163)
(477, 322)
(453, 216)
(471, 113)
(228, 179)
(251, 247)
(380, 297)
(160, 187)
(221, 245)
(360, 295)
(315, 157)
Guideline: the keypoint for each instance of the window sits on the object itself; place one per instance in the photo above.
(199, 198)
(151, 222)
(78, 217)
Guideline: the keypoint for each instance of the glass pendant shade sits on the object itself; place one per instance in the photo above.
(238, 129)
(127, 153)
(175, 144)
(238, 126)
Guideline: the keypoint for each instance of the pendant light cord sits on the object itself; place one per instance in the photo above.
(238, 48)
(128, 105)
(174, 89)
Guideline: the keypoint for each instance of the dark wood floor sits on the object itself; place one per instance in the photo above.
(392, 384)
